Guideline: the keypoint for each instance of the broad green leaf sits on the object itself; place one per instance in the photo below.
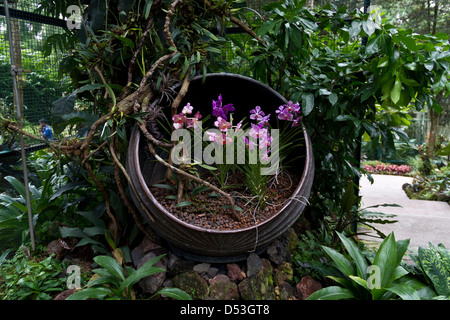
(402, 246)
(368, 27)
(445, 254)
(386, 260)
(404, 291)
(332, 293)
(359, 260)
(333, 98)
(396, 91)
(17, 185)
(111, 265)
(90, 293)
(307, 103)
(342, 263)
(434, 268)
(71, 232)
(174, 293)
(145, 270)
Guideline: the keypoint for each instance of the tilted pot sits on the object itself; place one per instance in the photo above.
(208, 244)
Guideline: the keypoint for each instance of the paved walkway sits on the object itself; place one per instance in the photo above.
(421, 221)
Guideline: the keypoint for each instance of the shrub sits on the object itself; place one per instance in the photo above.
(379, 278)
(24, 278)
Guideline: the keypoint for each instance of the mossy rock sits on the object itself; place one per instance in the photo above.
(192, 283)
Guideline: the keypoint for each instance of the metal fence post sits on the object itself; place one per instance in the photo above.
(14, 72)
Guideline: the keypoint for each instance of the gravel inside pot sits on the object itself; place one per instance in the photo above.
(207, 209)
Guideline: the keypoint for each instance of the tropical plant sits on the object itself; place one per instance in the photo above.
(434, 263)
(114, 281)
(380, 277)
(24, 278)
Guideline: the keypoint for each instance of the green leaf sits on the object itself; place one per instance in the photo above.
(396, 91)
(360, 281)
(342, 263)
(183, 204)
(174, 293)
(445, 253)
(90, 293)
(165, 186)
(147, 8)
(145, 270)
(386, 260)
(333, 98)
(433, 267)
(332, 293)
(228, 206)
(368, 27)
(307, 103)
(111, 265)
(359, 260)
(404, 291)
(17, 185)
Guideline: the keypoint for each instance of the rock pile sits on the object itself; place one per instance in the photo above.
(267, 276)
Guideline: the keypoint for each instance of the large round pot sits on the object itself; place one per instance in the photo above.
(207, 244)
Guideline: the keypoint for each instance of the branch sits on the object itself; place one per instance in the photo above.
(234, 20)
(106, 197)
(118, 165)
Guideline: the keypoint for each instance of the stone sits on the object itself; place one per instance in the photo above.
(142, 249)
(63, 295)
(283, 273)
(192, 283)
(285, 291)
(153, 282)
(212, 272)
(260, 285)
(55, 247)
(234, 272)
(222, 288)
(202, 268)
(180, 266)
(276, 252)
(306, 287)
(254, 264)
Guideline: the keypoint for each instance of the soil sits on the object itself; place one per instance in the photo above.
(206, 210)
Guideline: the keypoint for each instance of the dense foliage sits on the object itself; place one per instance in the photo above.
(352, 72)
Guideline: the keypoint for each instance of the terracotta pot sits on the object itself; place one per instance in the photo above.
(207, 244)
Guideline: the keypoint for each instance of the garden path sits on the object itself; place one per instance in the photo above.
(421, 221)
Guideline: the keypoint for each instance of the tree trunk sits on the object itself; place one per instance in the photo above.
(310, 4)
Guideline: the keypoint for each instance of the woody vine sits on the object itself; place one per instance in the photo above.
(139, 100)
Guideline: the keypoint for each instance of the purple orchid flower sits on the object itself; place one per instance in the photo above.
(219, 110)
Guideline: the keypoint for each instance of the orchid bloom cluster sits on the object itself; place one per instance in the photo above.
(181, 119)
(258, 134)
(222, 123)
(290, 112)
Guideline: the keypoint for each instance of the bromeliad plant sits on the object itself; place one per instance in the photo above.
(251, 148)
